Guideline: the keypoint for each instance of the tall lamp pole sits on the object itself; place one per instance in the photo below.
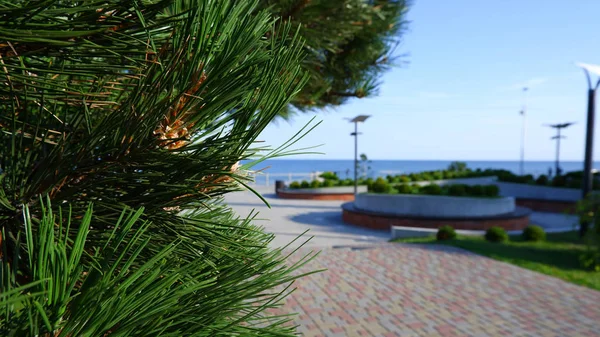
(356, 120)
(523, 130)
(589, 136)
(558, 137)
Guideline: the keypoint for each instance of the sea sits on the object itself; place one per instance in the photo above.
(302, 169)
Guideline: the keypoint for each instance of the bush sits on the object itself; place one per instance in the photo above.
(294, 184)
(404, 189)
(329, 183)
(347, 182)
(426, 176)
(431, 189)
(449, 174)
(476, 191)
(369, 182)
(491, 191)
(304, 184)
(559, 181)
(405, 179)
(381, 186)
(542, 180)
(534, 233)
(329, 176)
(446, 233)
(415, 177)
(457, 190)
(457, 166)
(438, 175)
(315, 184)
(496, 234)
(587, 209)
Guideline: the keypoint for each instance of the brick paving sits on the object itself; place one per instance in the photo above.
(429, 290)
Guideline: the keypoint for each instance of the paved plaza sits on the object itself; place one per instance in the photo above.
(374, 288)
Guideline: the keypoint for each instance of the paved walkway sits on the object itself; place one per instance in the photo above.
(385, 289)
(429, 290)
(290, 218)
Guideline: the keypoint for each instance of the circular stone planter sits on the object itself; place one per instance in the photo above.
(322, 193)
(381, 211)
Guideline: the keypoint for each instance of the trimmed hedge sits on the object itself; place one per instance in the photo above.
(445, 232)
(496, 234)
(534, 233)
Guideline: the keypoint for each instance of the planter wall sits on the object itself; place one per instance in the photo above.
(516, 220)
(433, 205)
(345, 193)
(535, 192)
(466, 181)
(542, 198)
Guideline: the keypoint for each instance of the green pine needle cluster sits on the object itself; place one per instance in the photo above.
(122, 124)
(349, 44)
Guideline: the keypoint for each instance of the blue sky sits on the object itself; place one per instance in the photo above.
(460, 93)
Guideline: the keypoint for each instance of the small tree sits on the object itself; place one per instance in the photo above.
(457, 166)
(364, 167)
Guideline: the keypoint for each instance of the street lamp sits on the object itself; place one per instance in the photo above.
(589, 136)
(523, 129)
(356, 120)
(558, 137)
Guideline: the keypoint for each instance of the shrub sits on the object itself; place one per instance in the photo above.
(381, 186)
(431, 189)
(446, 233)
(496, 234)
(294, 184)
(347, 182)
(449, 174)
(304, 184)
(426, 176)
(405, 179)
(315, 184)
(491, 190)
(457, 190)
(329, 183)
(457, 166)
(415, 177)
(534, 233)
(528, 179)
(404, 189)
(329, 176)
(587, 209)
(559, 181)
(475, 190)
(438, 175)
(369, 182)
(542, 180)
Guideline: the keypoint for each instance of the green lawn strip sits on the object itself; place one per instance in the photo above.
(558, 256)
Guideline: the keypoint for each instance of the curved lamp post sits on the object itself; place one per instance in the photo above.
(356, 120)
(589, 137)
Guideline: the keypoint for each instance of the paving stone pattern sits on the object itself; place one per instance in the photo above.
(429, 290)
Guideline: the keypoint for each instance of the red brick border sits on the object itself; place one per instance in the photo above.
(316, 196)
(552, 206)
(385, 222)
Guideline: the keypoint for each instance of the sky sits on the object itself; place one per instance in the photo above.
(457, 92)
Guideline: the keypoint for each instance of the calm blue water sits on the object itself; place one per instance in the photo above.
(301, 169)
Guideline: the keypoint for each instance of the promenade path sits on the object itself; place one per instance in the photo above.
(374, 288)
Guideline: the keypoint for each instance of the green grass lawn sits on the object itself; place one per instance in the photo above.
(558, 256)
